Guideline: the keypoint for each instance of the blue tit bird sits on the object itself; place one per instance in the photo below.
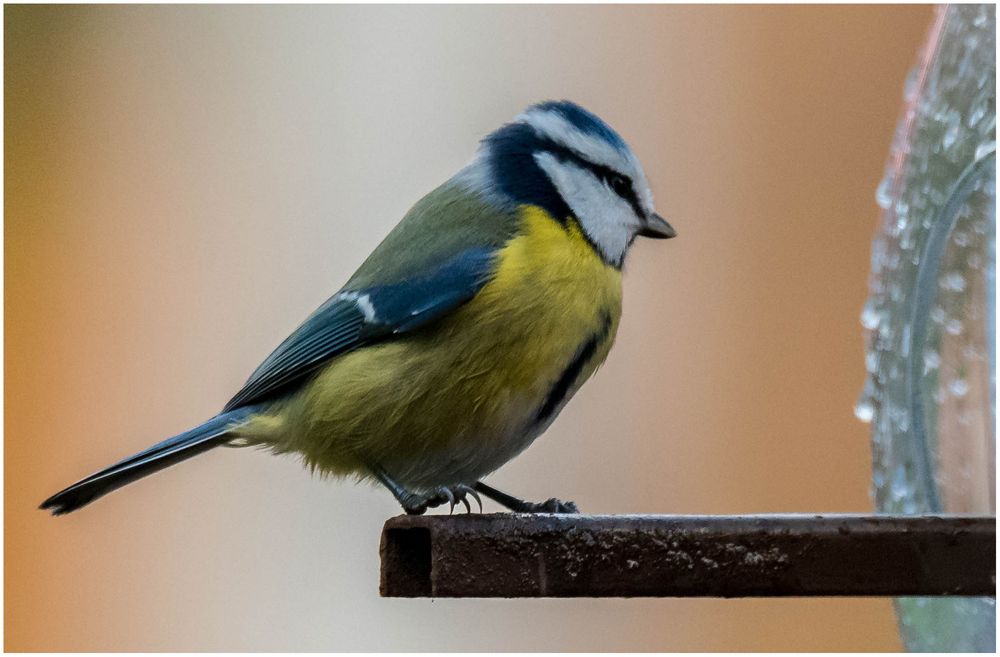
(460, 338)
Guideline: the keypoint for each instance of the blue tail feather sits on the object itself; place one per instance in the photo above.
(161, 455)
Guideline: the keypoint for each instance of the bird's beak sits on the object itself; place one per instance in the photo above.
(657, 228)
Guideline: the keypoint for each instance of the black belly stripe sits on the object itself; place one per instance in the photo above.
(566, 380)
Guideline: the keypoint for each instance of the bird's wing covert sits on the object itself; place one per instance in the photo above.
(357, 317)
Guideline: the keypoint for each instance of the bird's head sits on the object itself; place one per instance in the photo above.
(562, 158)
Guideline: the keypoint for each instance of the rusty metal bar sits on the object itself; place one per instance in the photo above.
(514, 555)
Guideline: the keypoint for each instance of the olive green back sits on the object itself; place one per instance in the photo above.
(443, 223)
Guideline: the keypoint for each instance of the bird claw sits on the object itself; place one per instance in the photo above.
(443, 495)
(450, 495)
(478, 499)
(463, 493)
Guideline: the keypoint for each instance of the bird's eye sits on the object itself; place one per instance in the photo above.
(620, 185)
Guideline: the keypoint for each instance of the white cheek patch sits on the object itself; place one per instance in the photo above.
(557, 128)
(608, 219)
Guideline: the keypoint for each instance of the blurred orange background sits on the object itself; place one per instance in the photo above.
(185, 184)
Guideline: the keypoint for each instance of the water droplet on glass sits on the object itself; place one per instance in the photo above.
(902, 419)
(950, 136)
(900, 485)
(953, 281)
(883, 193)
(959, 387)
(864, 410)
(878, 478)
(869, 317)
(976, 115)
(931, 360)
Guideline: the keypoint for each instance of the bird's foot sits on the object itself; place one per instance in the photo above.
(416, 505)
(551, 505)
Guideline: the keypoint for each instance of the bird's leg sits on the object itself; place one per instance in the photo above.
(411, 502)
(551, 505)
(415, 504)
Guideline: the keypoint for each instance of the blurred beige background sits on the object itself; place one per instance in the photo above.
(183, 185)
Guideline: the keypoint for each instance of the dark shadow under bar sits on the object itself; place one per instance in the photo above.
(530, 556)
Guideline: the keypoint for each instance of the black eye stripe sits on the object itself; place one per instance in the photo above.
(619, 184)
(518, 174)
(625, 189)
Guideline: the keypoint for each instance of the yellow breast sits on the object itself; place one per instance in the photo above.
(455, 400)
(551, 294)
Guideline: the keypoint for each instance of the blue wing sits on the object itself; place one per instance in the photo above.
(358, 317)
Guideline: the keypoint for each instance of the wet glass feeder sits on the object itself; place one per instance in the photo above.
(930, 316)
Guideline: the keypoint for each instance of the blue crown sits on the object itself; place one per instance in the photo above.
(582, 120)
